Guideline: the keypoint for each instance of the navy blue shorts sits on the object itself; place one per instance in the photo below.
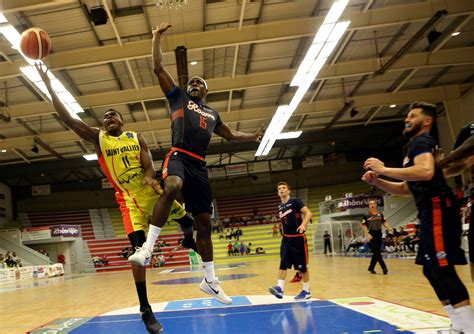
(441, 230)
(196, 186)
(294, 252)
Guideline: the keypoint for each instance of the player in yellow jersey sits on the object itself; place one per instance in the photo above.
(126, 160)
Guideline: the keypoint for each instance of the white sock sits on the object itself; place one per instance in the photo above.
(153, 233)
(209, 271)
(281, 284)
(306, 286)
(465, 318)
(452, 315)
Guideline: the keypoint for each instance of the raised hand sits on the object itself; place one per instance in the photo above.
(259, 133)
(44, 75)
(161, 29)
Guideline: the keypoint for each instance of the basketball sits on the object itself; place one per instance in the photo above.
(35, 43)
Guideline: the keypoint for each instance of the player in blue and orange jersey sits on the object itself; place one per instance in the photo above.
(295, 217)
(441, 228)
(184, 168)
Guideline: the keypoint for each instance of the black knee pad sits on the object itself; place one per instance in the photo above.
(451, 284)
(137, 238)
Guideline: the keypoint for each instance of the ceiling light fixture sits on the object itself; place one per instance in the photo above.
(393, 105)
(325, 41)
(455, 33)
(3, 151)
(90, 157)
(193, 63)
(35, 149)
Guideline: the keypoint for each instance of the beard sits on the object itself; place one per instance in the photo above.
(409, 133)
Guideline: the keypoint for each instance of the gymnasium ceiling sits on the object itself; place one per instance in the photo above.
(248, 51)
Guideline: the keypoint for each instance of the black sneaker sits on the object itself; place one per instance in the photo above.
(189, 243)
(372, 271)
(385, 271)
(152, 325)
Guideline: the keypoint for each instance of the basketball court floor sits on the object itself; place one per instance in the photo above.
(346, 299)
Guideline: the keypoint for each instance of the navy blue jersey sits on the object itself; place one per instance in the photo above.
(192, 123)
(374, 221)
(424, 191)
(290, 215)
(464, 134)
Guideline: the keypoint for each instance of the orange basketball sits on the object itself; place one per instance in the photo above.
(35, 43)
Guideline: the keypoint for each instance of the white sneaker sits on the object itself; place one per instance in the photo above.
(214, 289)
(141, 256)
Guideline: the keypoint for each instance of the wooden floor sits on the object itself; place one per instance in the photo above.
(331, 277)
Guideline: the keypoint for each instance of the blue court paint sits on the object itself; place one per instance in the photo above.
(204, 303)
(286, 318)
(189, 280)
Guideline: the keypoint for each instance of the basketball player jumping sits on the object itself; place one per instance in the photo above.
(126, 160)
(184, 168)
(295, 217)
(438, 212)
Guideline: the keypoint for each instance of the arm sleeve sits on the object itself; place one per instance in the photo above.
(298, 204)
(422, 144)
(218, 121)
(174, 94)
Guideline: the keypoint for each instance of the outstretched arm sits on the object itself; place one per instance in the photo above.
(422, 170)
(78, 126)
(164, 78)
(225, 132)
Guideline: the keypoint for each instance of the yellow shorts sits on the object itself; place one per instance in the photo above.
(138, 208)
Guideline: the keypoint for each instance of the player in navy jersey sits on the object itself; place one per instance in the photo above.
(184, 168)
(295, 217)
(440, 222)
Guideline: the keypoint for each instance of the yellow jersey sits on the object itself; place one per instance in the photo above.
(120, 160)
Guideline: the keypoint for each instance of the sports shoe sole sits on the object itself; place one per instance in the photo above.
(215, 296)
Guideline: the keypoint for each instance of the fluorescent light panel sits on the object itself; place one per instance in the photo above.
(289, 135)
(326, 39)
(90, 156)
(14, 37)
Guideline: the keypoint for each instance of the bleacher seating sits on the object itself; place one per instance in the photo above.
(259, 236)
(81, 218)
(267, 205)
(112, 247)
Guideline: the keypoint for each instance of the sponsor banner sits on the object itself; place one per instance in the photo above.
(41, 190)
(258, 167)
(217, 172)
(106, 184)
(284, 164)
(36, 233)
(360, 201)
(7, 275)
(239, 169)
(39, 271)
(313, 161)
(65, 231)
(55, 270)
